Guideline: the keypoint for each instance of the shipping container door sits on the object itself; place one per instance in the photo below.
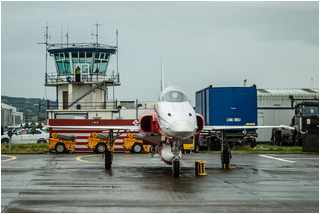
(207, 106)
(203, 105)
(221, 104)
(198, 103)
(245, 106)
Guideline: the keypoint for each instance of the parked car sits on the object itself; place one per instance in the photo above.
(25, 136)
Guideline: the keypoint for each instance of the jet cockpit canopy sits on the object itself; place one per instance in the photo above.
(172, 94)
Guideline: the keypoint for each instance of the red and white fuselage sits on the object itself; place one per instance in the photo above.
(175, 116)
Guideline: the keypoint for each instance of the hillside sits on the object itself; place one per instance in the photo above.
(29, 106)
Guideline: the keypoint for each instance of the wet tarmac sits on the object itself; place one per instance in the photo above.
(138, 183)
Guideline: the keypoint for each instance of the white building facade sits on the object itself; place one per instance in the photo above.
(10, 116)
(276, 107)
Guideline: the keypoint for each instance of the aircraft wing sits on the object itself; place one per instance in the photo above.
(217, 128)
(106, 128)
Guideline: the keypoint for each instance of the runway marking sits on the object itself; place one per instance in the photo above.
(119, 164)
(80, 158)
(279, 159)
(10, 159)
(289, 168)
(185, 164)
(304, 158)
(102, 162)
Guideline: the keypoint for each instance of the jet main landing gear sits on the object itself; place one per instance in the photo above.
(225, 151)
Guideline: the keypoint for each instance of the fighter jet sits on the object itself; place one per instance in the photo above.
(171, 123)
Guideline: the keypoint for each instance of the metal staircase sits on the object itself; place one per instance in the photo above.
(87, 93)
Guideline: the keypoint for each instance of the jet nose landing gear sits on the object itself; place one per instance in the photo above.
(176, 159)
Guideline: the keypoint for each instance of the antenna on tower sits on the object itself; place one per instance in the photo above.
(46, 37)
(67, 35)
(46, 33)
(117, 40)
(61, 35)
(97, 33)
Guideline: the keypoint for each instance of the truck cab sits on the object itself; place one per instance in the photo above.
(306, 124)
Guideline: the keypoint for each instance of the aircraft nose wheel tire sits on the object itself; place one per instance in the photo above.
(176, 168)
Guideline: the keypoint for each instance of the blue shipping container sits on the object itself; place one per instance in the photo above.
(227, 106)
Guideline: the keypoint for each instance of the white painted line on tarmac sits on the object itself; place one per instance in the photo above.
(279, 159)
(304, 158)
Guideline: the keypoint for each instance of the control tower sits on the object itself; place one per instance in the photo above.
(82, 79)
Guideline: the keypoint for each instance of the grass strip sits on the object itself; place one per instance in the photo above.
(25, 148)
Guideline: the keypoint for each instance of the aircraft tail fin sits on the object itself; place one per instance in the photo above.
(162, 74)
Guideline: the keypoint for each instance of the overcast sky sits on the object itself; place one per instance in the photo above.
(272, 44)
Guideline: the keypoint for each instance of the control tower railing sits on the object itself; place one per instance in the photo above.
(109, 105)
(67, 78)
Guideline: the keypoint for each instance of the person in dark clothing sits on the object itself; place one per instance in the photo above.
(78, 78)
(33, 128)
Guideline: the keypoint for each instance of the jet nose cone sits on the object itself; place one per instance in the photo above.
(183, 129)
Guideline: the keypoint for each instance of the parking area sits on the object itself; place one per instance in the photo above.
(138, 183)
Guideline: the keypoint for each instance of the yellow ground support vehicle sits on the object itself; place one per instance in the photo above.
(134, 145)
(97, 142)
(62, 143)
(188, 147)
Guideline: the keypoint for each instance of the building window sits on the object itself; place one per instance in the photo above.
(103, 67)
(82, 57)
(60, 67)
(67, 66)
(18, 120)
(75, 58)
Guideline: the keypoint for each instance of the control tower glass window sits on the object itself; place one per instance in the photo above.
(100, 63)
(75, 58)
(103, 67)
(82, 57)
(63, 63)
(89, 57)
(85, 69)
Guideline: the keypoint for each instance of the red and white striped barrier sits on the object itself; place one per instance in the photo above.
(83, 135)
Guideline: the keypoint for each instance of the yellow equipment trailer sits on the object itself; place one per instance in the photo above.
(97, 142)
(134, 145)
(62, 143)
